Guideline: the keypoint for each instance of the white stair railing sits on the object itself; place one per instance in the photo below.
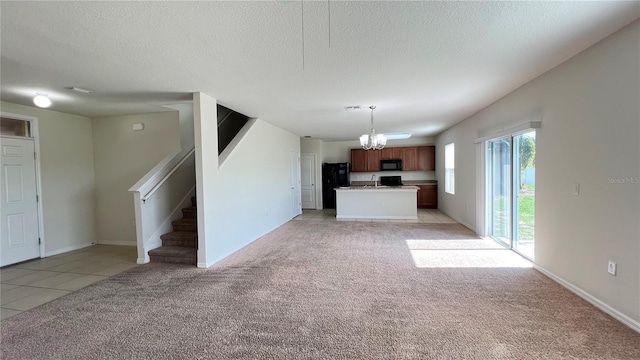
(159, 198)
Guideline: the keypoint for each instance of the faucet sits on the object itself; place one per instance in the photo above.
(374, 178)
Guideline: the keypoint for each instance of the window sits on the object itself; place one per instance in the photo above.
(449, 168)
(15, 127)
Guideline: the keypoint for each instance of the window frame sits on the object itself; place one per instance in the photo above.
(450, 171)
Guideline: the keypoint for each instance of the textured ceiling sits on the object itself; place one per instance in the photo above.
(425, 65)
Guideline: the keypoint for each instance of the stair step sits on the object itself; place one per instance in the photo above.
(180, 239)
(174, 254)
(189, 213)
(185, 225)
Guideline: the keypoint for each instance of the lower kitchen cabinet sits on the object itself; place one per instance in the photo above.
(428, 196)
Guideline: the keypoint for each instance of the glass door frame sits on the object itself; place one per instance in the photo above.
(489, 204)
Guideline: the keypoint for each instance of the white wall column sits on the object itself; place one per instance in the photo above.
(206, 143)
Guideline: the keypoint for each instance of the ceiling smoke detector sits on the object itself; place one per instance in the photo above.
(79, 90)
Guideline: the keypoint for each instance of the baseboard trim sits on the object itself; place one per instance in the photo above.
(634, 325)
(203, 265)
(117, 242)
(68, 248)
(464, 223)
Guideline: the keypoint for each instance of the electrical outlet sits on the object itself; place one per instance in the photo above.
(576, 189)
(612, 268)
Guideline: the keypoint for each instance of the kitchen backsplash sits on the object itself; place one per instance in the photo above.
(406, 175)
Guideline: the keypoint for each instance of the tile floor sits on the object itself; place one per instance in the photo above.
(27, 285)
(428, 216)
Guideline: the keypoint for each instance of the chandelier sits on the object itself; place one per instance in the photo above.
(373, 141)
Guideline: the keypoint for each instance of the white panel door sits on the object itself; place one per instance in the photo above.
(296, 205)
(308, 180)
(19, 205)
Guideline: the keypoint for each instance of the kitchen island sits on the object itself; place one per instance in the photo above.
(377, 202)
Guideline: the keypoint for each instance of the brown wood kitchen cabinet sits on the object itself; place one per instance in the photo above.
(414, 158)
(365, 160)
(410, 159)
(428, 196)
(358, 160)
(373, 160)
(426, 158)
(391, 153)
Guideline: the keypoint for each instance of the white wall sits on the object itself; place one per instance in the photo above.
(123, 156)
(185, 118)
(590, 134)
(247, 196)
(66, 158)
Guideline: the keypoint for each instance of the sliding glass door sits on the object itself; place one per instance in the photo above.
(499, 190)
(524, 181)
(510, 191)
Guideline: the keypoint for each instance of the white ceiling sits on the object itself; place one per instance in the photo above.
(425, 65)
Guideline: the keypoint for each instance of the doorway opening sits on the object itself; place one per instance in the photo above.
(510, 191)
(20, 234)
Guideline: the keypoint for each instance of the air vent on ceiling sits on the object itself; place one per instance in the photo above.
(79, 90)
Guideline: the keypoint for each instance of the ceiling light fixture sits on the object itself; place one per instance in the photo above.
(397, 136)
(373, 141)
(42, 100)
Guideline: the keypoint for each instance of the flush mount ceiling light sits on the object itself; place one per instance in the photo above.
(42, 100)
(373, 141)
(398, 136)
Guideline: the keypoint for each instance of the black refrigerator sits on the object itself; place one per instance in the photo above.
(333, 175)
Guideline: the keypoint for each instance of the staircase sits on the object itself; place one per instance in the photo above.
(180, 245)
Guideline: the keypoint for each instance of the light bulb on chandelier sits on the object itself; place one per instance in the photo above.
(373, 141)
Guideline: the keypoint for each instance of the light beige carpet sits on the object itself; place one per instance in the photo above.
(324, 290)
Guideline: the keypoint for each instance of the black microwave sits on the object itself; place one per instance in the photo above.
(391, 165)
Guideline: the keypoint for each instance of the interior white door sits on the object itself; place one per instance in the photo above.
(296, 204)
(19, 205)
(308, 180)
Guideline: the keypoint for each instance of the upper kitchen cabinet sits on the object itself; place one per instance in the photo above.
(365, 160)
(410, 159)
(358, 160)
(426, 158)
(391, 153)
(373, 160)
(414, 158)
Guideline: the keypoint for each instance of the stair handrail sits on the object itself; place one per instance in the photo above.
(162, 181)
